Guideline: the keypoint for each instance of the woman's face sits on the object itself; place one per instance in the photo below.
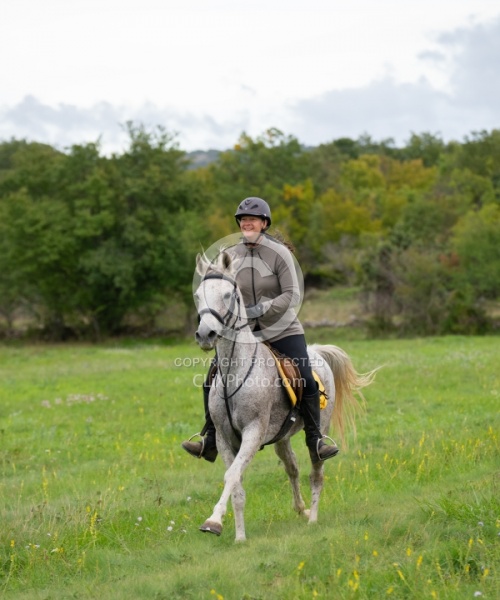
(251, 227)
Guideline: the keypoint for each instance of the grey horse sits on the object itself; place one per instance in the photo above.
(247, 404)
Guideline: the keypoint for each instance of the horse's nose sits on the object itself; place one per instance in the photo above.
(205, 338)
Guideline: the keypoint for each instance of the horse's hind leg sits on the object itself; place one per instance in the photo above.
(316, 481)
(284, 451)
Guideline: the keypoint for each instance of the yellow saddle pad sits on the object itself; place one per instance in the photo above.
(323, 398)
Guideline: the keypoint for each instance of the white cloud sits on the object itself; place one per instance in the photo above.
(475, 77)
(316, 69)
(382, 109)
(67, 124)
(387, 108)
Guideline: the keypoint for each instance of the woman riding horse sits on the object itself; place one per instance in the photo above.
(269, 285)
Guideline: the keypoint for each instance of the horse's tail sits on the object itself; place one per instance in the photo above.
(348, 384)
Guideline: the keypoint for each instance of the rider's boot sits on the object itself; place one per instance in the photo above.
(206, 448)
(310, 411)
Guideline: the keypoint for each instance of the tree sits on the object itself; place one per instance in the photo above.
(95, 238)
(131, 232)
(36, 246)
(259, 167)
(476, 241)
(426, 147)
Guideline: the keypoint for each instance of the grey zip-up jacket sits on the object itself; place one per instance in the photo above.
(267, 273)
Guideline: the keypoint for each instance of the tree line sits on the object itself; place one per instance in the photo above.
(92, 244)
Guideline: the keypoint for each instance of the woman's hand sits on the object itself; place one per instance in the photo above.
(255, 311)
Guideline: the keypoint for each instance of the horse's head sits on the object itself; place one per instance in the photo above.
(218, 301)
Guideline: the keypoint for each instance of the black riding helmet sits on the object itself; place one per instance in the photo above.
(254, 207)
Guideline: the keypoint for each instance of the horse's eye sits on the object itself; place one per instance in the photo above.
(227, 296)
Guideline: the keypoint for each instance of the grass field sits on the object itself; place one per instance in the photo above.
(98, 500)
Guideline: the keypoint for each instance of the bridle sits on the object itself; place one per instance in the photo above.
(235, 302)
(227, 323)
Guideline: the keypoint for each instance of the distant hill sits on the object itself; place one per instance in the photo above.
(202, 158)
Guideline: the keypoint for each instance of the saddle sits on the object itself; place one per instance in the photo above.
(290, 377)
(292, 381)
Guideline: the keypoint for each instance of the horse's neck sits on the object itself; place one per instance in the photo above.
(234, 353)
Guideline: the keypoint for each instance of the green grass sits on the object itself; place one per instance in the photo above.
(98, 500)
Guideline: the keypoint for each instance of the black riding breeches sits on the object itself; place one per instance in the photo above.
(294, 346)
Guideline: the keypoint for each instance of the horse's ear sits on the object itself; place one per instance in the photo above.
(201, 266)
(226, 261)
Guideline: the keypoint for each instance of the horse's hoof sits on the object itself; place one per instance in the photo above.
(211, 527)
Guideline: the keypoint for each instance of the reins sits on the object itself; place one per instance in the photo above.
(226, 323)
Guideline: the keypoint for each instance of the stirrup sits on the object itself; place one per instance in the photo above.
(332, 445)
(202, 442)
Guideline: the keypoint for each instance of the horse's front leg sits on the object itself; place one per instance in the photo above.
(283, 449)
(236, 465)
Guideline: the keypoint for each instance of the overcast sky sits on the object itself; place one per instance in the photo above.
(73, 71)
